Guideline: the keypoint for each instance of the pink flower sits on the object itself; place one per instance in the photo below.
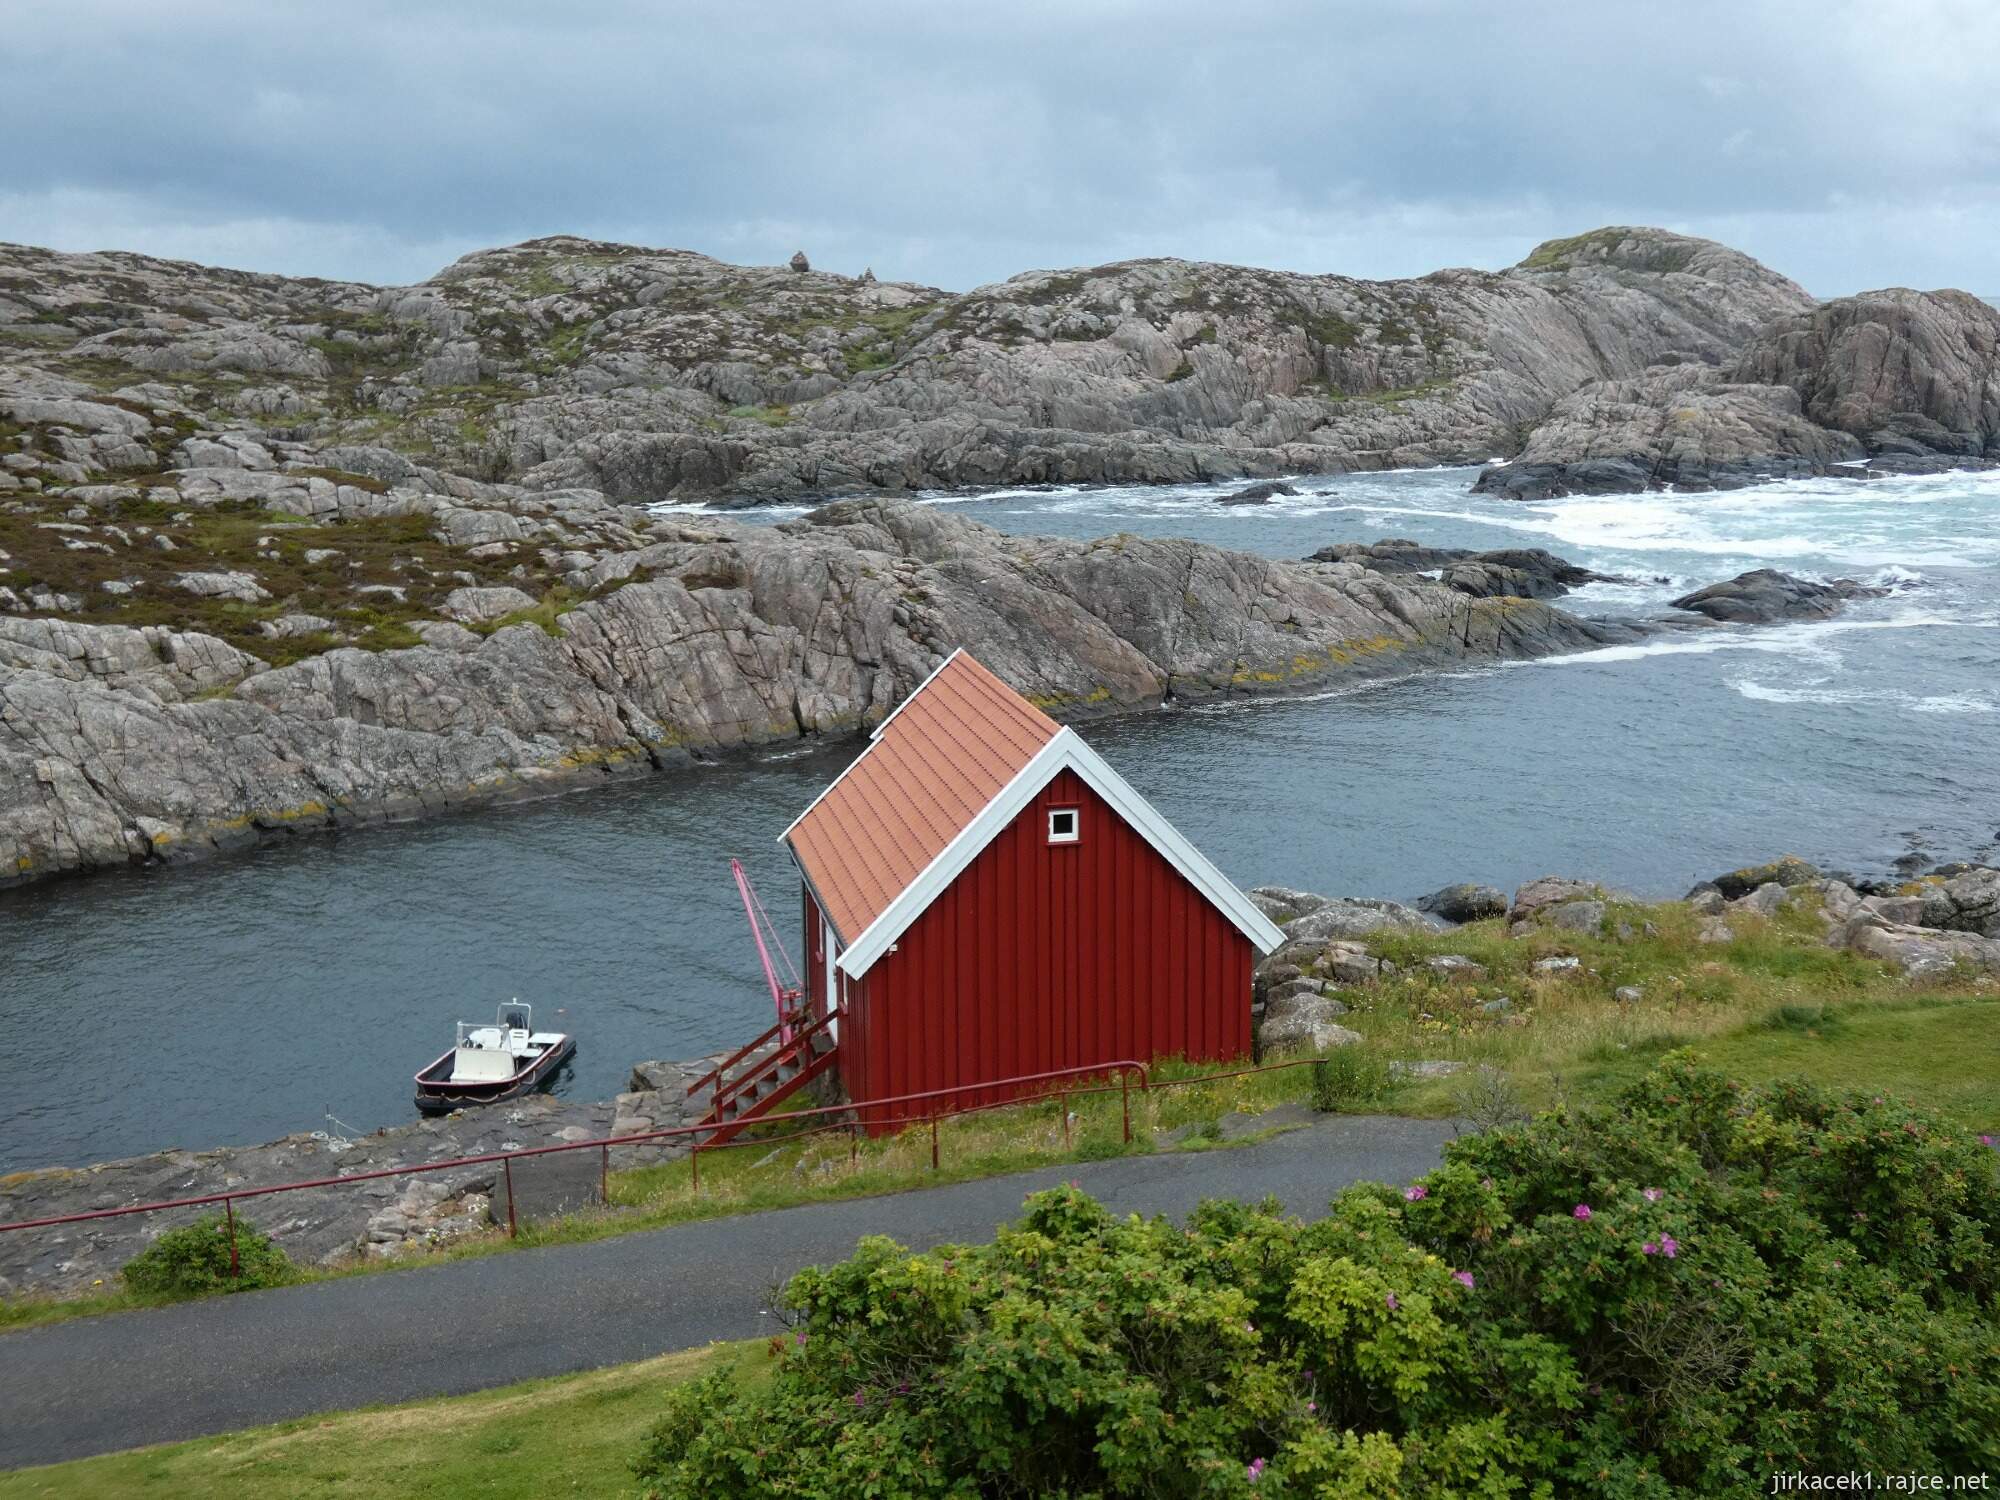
(860, 1397)
(1416, 1191)
(1256, 1470)
(1653, 1195)
(799, 1338)
(1312, 1406)
(1987, 1140)
(1463, 1278)
(1669, 1246)
(1649, 1248)
(1390, 1302)
(1581, 1211)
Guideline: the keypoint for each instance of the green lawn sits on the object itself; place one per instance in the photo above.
(1945, 1055)
(572, 1435)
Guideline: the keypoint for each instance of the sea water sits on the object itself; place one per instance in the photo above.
(249, 997)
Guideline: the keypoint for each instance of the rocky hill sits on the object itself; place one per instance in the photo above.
(651, 374)
(1886, 382)
(284, 553)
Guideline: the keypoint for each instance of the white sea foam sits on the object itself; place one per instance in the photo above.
(1936, 703)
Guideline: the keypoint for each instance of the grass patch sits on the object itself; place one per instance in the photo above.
(1773, 1001)
(554, 604)
(570, 1435)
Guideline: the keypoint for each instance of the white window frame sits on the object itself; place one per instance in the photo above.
(1075, 834)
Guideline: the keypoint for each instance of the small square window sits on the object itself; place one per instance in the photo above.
(1062, 825)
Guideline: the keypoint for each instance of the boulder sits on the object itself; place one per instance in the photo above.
(1765, 596)
(1282, 904)
(1547, 891)
(1348, 917)
(1838, 900)
(1920, 952)
(1464, 903)
(1787, 870)
(1765, 901)
(1965, 902)
(1577, 916)
(1454, 966)
(474, 606)
(242, 587)
(1306, 1024)
(1258, 494)
(1350, 963)
(1901, 911)
(1517, 572)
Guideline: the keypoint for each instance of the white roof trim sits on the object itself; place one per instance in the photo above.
(1065, 751)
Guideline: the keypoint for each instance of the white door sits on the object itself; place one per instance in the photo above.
(826, 941)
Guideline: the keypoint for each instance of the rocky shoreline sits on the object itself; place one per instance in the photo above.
(1948, 920)
(666, 639)
(332, 1226)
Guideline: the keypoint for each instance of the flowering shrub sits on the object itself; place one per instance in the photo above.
(1681, 1293)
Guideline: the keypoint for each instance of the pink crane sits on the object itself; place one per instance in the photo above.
(786, 997)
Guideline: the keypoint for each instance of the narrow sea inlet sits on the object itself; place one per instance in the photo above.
(246, 998)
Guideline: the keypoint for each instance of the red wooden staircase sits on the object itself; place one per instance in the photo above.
(754, 1078)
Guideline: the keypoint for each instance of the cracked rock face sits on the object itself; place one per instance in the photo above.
(654, 374)
(118, 744)
(1885, 382)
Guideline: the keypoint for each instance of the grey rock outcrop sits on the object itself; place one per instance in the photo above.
(1683, 427)
(1786, 870)
(691, 637)
(1547, 891)
(1966, 902)
(1765, 596)
(1517, 572)
(1920, 952)
(1892, 381)
(656, 374)
(1464, 903)
(327, 1227)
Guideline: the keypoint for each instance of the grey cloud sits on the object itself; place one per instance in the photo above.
(956, 144)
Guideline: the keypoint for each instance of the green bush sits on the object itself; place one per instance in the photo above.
(194, 1259)
(1348, 1079)
(1679, 1294)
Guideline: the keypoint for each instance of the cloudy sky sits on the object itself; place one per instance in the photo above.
(1849, 145)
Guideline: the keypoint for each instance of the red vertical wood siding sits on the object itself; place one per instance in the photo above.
(1043, 956)
(814, 949)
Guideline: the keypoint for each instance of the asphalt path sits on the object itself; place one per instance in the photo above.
(124, 1380)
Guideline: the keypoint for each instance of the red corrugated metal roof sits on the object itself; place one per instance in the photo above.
(934, 765)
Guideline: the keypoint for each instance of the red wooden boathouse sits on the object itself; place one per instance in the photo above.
(986, 898)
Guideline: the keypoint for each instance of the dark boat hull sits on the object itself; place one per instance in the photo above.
(438, 1095)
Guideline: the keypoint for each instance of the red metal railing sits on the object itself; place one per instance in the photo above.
(730, 1088)
(1063, 1092)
